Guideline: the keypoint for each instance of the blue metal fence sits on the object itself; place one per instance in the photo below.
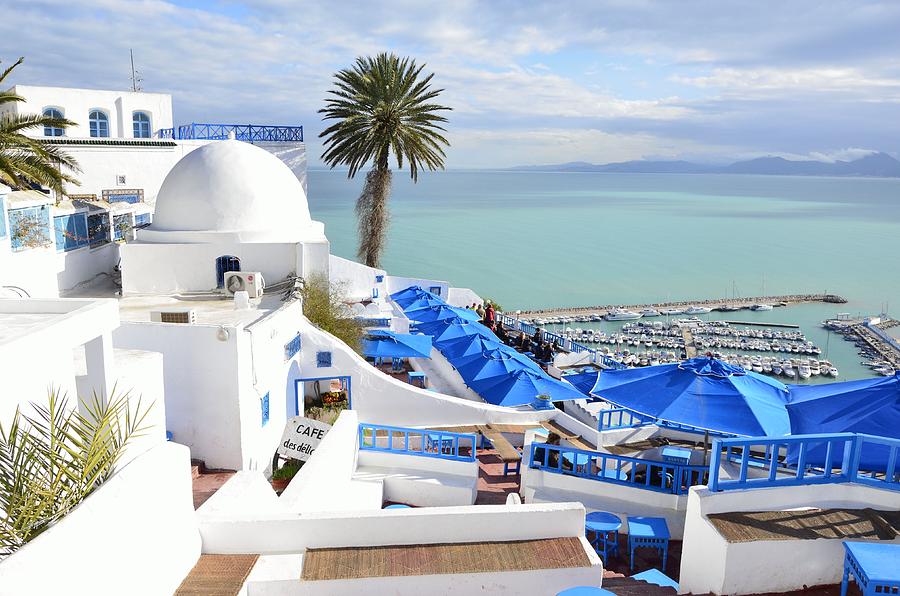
(644, 474)
(762, 462)
(564, 342)
(615, 418)
(252, 133)
(418, 442)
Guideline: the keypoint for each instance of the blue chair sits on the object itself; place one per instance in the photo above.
(397, 364)
(648, 532)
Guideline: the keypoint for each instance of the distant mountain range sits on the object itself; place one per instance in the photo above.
(874, 164)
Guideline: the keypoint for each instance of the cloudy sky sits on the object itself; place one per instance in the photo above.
(529, 82)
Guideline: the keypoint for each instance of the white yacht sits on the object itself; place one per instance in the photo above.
(697, 310)
(761, 307)
(619, 314)
(672, 311)
(803, 371)
(649, 312)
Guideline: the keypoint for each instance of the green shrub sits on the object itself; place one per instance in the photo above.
(324, 304)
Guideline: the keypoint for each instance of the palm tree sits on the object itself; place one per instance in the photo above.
(381, 106)
(25, 160)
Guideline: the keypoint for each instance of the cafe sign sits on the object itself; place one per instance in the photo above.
(301, 436)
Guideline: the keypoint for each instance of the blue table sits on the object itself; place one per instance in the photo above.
(416, 376)
(438, 443)
(614, 474)
(874, 565)
(585, 591)
(398, 506)
(577, 460)
(655, 576)
(676, 455)
(648, 532)
(602, 524)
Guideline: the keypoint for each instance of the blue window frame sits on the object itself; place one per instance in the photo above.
(141, 124)
(99, 123)
(379, 279)
(141, 220)
(53, 131)
(436, 290)
(264, 407)
(224, 264)
(323, 359)
(71, 231)
(292, 347)
(2, 218)
(98, 229)
(29, 227)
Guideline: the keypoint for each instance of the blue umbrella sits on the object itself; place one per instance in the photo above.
(705, 393)
(411, 294)
(867, 406)
(424, 302)
(522, 387)
(457, 348)
(445, 332)
(387, 344)
(429, 314)
(495, 352)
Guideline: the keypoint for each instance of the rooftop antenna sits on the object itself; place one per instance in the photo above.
(136, 78)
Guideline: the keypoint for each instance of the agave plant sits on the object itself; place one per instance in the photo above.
(23, 159)
(54, 458)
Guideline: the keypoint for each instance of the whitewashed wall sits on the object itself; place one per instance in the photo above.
(359, 280)
(396, 283)
(463, 297)
(139, 528)
(379, 398)
(711, 565)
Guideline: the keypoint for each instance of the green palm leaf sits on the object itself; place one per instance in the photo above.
(382, 105)
(24, 159)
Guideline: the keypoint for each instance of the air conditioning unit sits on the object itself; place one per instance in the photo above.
(248, 281)
(185, 316)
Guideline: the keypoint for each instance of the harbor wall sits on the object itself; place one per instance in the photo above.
(711, 302)
(710, 564)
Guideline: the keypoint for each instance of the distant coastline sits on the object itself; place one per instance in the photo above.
(880, 165)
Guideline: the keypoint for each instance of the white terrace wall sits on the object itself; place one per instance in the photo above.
(137, 534)
(279, 534)
(382, 399)
(396, 283)
(358, 279)
(709, 564)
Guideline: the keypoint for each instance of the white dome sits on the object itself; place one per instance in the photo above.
(231, 187)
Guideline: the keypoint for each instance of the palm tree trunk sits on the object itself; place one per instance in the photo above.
(372, 213)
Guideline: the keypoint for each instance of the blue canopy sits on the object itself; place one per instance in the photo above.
(488, 365)
(387, 344)
(705, 393)
(451, 330)
(423, 302)
(411, 294)
(430, 314)
(583, 381)
(868, 406)
(498, 352)
(519, 388)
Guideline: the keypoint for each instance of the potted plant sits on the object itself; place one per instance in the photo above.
(283, 475)
(542, 402)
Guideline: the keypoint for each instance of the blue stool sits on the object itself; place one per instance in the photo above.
(602, 524)
(874, 566)
(648, 532)
(585, 591)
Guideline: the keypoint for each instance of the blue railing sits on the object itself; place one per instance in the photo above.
(417, 441)
(615, 418)
(251, 133)
(564, 342)
(644, 474)
(804, 460)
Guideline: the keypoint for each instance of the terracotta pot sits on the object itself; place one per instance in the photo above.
(280, 484)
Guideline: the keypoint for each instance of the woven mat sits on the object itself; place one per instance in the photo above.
(217, 575)
(807, 525)
(436, 559)
(652, 443)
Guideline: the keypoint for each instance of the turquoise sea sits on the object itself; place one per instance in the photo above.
(531, 240)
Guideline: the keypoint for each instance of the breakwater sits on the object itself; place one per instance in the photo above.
(708, 302)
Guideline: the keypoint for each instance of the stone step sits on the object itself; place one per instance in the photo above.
(627, 586)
